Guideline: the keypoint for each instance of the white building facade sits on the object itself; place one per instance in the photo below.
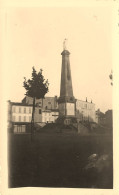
(49, 116)
(21, 113)
(85, 111)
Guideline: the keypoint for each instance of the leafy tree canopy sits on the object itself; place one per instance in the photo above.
(37, 86)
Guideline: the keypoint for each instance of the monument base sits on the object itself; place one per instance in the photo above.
(67, 120)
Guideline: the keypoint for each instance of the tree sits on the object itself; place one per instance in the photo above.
(111, 77)
(36, 87)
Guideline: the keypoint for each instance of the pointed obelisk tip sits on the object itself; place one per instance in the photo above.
(65, 44)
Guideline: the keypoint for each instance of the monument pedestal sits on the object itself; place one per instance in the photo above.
(67, 111)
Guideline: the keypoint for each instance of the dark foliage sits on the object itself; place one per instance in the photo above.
(111, 77)
(37, 86)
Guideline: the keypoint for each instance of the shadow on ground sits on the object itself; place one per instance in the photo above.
(59, 160)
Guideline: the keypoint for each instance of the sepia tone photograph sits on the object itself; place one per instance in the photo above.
(60, 118)
(59, 97)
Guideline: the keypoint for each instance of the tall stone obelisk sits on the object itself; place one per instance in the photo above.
(66, 100)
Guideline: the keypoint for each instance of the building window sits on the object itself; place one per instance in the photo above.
(85, 105)
(39, 111)
(49, 102)
(24, 110)
(29, 118)
(13, 118)
(29, 110)
(40, 104)
(19, 118)
(24, 118)
(19, 129)
(14, 109)
(23, 128)
(15, 128)
(19, 109)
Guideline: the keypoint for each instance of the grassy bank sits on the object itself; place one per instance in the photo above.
(57, 160)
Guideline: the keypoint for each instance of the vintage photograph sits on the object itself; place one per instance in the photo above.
(60, 114)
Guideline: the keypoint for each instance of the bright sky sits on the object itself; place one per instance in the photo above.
(34, 37)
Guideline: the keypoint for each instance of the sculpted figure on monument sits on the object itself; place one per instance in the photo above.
(65, 44)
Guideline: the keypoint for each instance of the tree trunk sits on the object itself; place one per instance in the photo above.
(32, 120)
(42, 103)
(33, 111)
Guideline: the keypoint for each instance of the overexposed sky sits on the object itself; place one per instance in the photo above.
(34, 37)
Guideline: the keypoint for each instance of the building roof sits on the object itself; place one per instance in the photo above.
(51, 110)
(109, 112)
(40, 98)
(55, 110)
(85, 101)
(21, 104)
(21, 123)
